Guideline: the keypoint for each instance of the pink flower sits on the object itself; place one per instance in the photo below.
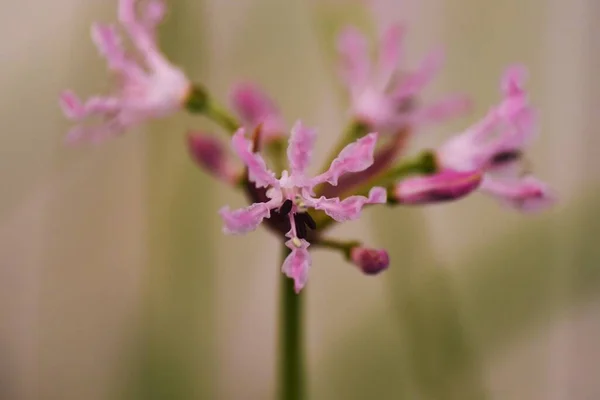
(150, 86)
(384, 97)
(496, 144)
(256, 108)
(370, 261)
(210, 154)
(291, 195)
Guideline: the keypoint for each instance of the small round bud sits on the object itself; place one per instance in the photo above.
(370, 261)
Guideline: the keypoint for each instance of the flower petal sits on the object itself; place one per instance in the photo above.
(301, 144)
(297, 263)
(416, 81)
(355, 157)
(389, 54)
(255, 107)
(356, 65)
(445, 186)
(257, 168)
(244, 220)
(525, 194)
(351, 207)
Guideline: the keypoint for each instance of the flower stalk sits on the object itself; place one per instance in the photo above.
(291, 344)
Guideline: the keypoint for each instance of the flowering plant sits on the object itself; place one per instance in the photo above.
(366, 169)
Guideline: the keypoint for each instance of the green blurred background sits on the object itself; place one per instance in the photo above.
(115, 280)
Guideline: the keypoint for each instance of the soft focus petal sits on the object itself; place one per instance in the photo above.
(450, 107)
(210, 154)
(301, 144)
(109, 45)
(447, 185)
(525, 194)
(415, 82)
(354, 52)
(355, 157)
(257, 168)
(370, 261)
(297, 263)
(351, 207)
(513, 80)
(255, 107)
(244, 220)
(389, 54)
(71, 105)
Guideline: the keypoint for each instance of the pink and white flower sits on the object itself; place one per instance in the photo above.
(384, 97)
(496, 144)
(292, 195)
(256, 108)
(149, 85)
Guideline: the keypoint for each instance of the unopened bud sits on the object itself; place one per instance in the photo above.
(370, 261)
(447, 185)
(211, 155)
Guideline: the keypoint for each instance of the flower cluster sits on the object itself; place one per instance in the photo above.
(368, 170)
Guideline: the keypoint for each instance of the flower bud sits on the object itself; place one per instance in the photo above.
(211, 155)
(447, 185)
(370, 261)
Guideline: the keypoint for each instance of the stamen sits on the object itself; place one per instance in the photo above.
(301, 231)
(286, 207)
(297, 242)
(310, 222)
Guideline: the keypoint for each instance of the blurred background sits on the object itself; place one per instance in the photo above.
(115, 280)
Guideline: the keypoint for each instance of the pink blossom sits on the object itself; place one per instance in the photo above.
(495, 146)
(383, 96)
(445, 186)
(256, 108)
(149, 85)
(210, 154)
(370, 261)
(291, 195)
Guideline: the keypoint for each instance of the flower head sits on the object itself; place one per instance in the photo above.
(382, 96)
(496, 144)
(149, 88)
(292, 194)
(256, 108)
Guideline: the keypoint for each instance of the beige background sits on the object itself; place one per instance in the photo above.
(115, 281)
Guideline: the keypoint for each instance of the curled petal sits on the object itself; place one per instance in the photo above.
(301, 144)
(525, 194)
(257, 168)
(244, 220)
(356, 65)
(445, 186)
(297, 263)
(355, 157)
(351, 207)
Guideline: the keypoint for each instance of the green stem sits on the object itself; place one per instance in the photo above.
(199, 101)
(291, 361)
(219, 115)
